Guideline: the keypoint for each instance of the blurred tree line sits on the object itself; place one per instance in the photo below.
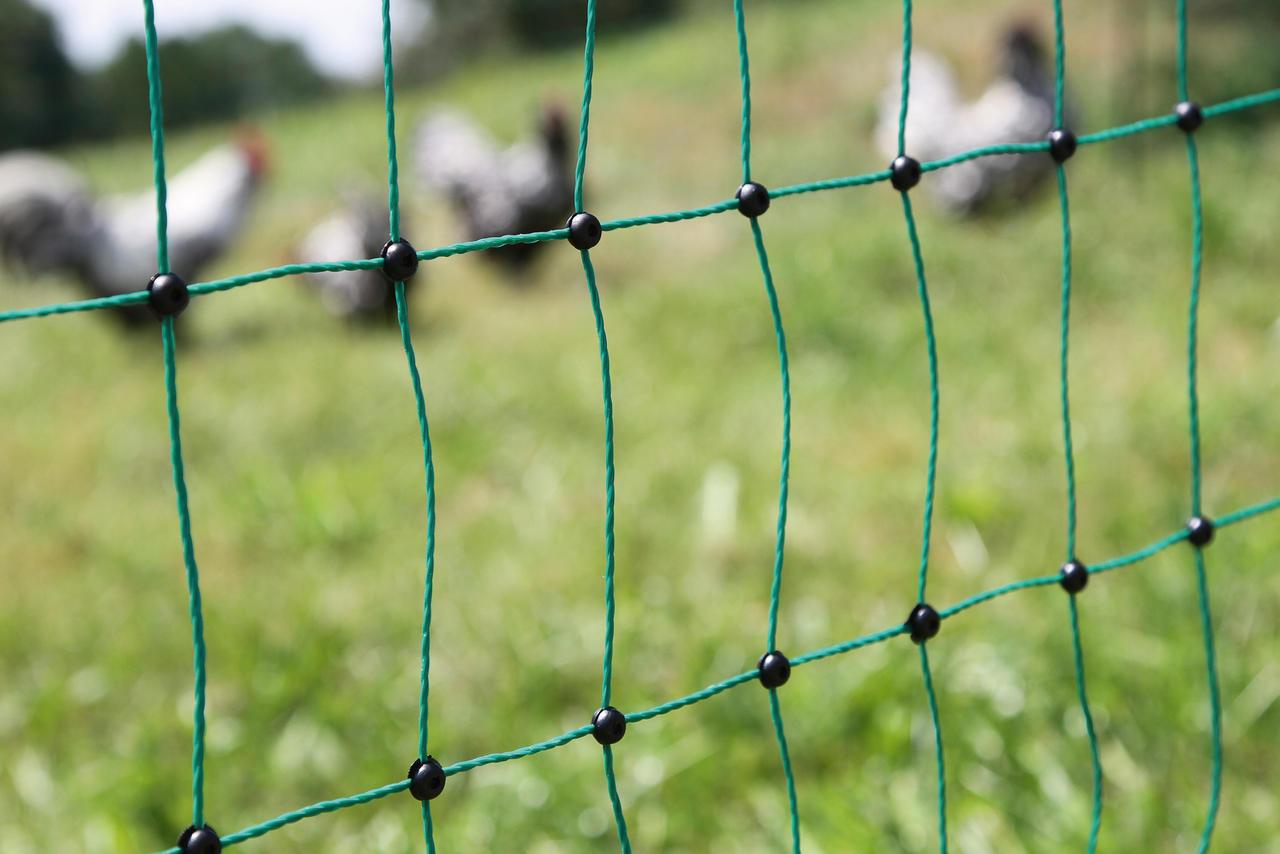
(464, 28)
(224, 73)
(45, 100)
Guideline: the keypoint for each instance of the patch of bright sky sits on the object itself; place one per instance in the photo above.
(342, 37)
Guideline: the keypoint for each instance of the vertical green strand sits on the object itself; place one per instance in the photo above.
(406, 340)
(1197, 239)
(1068, 449)
(785, 476)
(193, 574)
(389, 85)
(402, 316)
(906, 76)
(745, 71)
(1067, 445)
(776, 711)
(428, 828)
(780, 539)
(606, 688)
(937, 742)
(618, 818)
(157, 140)
(923, 289)
(1078, 655)
(1215, 704)
(588, 69)
(1058, 60)
(1206, 618)
(1182, 50)
(606, 382)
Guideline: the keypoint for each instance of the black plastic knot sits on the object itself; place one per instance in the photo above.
(608, 725)
(399, 260)
(753, 199)
(904, 172)
(1189, 114)
(584, 230)
(427, 779)
(167, 295)
(199, 840)
(1200, 530)
(1074, 576)
(923, 622)
(1062, 144)
(774, 669)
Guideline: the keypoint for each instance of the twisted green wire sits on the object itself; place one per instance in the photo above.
(744, 70)
(389, 85)
(402, 317)
(1246, 102)
(775, 590)
(932, 345)
(406, 340)
(785, 475)
(618, 818)
(606, 688)
(1078, 658)
(193, 574)
(906, 77)
(937, 743)
(157, 140)
(775, 711)
(1215, 703)
(1233, 518)
(1096, 810)
(931, 477)
(1067, 445)
(1193, 311)
(606, 382)
(175, 438)
(588, 70)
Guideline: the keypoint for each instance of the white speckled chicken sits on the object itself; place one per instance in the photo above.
(1016, 107)
(357, 230)
(50, 222)
(527, 187)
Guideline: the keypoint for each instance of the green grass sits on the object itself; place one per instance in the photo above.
(304, 468)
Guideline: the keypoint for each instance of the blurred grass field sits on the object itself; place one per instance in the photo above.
(304, 467)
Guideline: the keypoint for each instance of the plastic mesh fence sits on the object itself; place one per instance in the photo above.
(924, 622)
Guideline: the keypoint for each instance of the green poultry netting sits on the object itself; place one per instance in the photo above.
(427, 778)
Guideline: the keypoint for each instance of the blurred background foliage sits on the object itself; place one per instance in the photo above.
(235, 72)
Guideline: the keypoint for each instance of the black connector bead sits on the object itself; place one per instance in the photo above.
(427, 779)
(199, 840)
(167, 295)
(774, 669)
(923, 622)
(1075, 576)
(608, 725)
(1189, 115)
(904, 173)
(584, 230)
(753, 199)
(399, 260)
(1200, 530)
(1062, 144)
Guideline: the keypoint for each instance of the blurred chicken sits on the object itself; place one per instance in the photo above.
(527, 187)
(50, 222)
(1016, 107)
(357, 230)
